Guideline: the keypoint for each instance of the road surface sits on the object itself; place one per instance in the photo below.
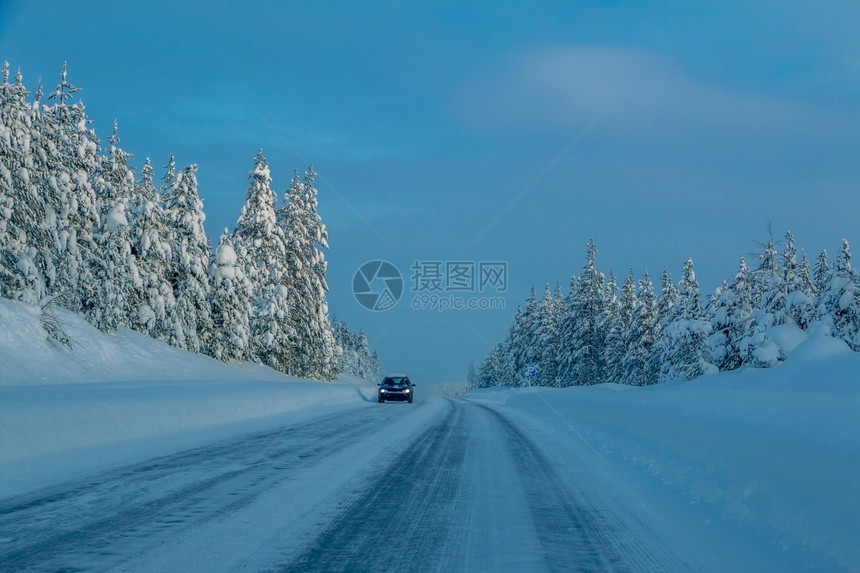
(447, 485)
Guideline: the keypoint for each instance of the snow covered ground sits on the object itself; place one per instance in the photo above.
(120, 397)
(771, 453)
(749, 470)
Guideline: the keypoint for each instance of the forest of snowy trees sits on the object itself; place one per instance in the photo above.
(79, 229)
(598, 332)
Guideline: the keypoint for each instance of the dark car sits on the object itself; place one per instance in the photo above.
(396, 387)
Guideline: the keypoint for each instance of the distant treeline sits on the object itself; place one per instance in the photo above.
(599, 333)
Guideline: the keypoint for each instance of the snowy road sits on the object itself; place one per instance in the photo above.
(439, 486)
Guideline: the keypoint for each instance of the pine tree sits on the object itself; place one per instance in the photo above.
(491, 371)
(821, 273)
(610, 298)
(260, 243)
(639, 366)
(70, 157)
(472, 375)
(305, 236)
(231, 304)
(520, 348)
(775, 301)
(119, 288)
(769, 260)
(148, 230)
(684, 345)
(731, 320)
(791, 301)
(619, 332)
(583, 333)
(802, 300)
(509, 371)
(187, 271)
(774, 284)
(375, 366)
(668, 295)
(24, 261)
(343, 346)
(547, 338)
(718, 310)
(838, 304)
(529, 351)
(353, 352)
(566, 322)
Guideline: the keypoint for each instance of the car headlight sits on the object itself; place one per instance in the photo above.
(382, 391)
(406, 391)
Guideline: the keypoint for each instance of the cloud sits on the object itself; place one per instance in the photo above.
(567, 87)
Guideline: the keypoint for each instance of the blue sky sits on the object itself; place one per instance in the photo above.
(663, 130)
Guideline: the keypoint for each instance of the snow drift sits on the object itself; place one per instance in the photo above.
(774, 452)
(113, 389)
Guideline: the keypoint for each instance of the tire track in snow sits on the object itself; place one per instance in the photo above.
(578, 530)
(400, 518)
(418, 513)
(102, 521)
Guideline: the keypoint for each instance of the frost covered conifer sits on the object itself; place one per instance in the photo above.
(547, 338)
(231, 304)
(342, 340)
(353, 352)
(113, 179)
(668, 295)
(640, 368)
(260, 244)
(838, 305)
(347, 357)
(119, 288)
(821, 272)
(582, 330)
(24, 252)
(684, 345)
(619, 332)
(70, 154)
(770, 300)
(802, 300)
(519, 348)
(148, 229)
(776, 298)
(730, 321)
(768, 270)
(490, 372)
(191, 323)
(791, 302)
(524, 342)
(305, 237)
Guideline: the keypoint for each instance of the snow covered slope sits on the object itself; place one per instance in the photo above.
(28, 356)
(773, 452)
(123, 389)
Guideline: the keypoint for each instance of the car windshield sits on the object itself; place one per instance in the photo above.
(396, 381)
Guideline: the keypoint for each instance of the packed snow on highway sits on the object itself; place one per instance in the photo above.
(188, 464)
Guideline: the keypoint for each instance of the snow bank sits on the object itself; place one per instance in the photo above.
(50, 403)
(775, 452)
(39, 420)
(28, 356)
